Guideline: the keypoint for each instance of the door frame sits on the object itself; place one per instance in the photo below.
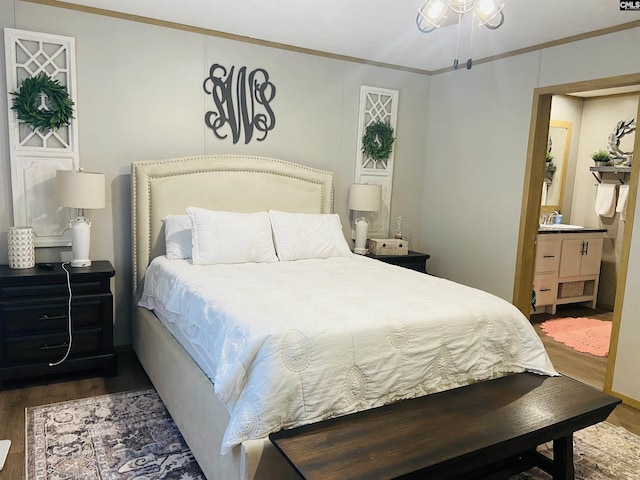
(532, 192)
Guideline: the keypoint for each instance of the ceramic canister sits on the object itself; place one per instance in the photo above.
(21, 247)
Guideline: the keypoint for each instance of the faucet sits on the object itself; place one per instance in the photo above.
(551, 217)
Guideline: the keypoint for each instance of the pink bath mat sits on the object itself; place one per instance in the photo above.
(585, 335)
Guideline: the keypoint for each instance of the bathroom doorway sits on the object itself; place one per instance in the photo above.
(531, 207)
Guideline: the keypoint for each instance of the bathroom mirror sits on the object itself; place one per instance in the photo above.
(559, 141)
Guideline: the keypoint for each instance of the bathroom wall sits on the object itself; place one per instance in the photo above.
(593, 120)
(600, 115)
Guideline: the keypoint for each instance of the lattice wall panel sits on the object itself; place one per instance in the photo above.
(36, 154)
(377, 104)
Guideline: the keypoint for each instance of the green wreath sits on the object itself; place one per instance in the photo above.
(31, 108)
(377, 141)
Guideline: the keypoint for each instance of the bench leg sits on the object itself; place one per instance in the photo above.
(563, 458)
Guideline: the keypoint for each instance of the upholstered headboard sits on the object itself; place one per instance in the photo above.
(218, 182)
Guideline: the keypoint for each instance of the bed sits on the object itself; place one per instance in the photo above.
(204, 409)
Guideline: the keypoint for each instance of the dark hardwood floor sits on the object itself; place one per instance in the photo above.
(15, 398)
(582, 366)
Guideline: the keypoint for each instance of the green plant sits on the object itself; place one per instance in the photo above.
(28, 102)
(549, 157)
(601, 156)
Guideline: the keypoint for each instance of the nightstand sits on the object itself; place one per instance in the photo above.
(34, 320)
(414, 260)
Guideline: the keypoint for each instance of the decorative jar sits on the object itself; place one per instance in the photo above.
(21, 247)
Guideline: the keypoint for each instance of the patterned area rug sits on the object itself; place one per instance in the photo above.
(131, 436)
(586, 335)
(600, 452)
(124, 436)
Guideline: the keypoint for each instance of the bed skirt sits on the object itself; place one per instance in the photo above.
(199, 414)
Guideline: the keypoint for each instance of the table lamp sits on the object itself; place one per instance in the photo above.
(363, 198)
(80, 190)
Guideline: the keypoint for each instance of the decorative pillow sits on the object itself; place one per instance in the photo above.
(230, 237)
(308, 235)
(177, 236)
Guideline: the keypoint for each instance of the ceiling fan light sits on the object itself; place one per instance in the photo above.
(490, 13)
(433, 12)
(461, 6)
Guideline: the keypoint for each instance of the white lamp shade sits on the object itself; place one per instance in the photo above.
(80, 189)
(364, 197)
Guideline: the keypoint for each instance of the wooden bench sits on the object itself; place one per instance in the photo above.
(486, 430)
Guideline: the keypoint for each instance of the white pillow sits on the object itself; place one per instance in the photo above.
(308, 235)
(230, 237)
(177, 236)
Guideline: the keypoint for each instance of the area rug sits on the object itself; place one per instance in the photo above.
(600, 452)
(124, 436)
(586, 335)
(131, 436)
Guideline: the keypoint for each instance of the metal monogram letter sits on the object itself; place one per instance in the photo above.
(249, 110)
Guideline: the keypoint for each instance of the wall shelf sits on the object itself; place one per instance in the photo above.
(620, 172)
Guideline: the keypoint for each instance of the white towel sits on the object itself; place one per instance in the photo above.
(606, 200)
(545, 190)
(623, 195)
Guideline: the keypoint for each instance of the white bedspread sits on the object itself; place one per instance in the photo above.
(291, 343)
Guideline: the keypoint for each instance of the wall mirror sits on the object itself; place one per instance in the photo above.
(558, 144)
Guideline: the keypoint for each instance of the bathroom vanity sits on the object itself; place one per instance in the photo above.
(567, 265)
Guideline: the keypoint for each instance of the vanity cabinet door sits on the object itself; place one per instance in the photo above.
(571, 257)
(592, 255)
(580, 256)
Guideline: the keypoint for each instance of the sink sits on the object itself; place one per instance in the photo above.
(560, 226)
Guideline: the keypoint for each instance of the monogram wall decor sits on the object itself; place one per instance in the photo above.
(242, 103)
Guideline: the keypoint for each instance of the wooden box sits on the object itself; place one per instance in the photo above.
(388, 246)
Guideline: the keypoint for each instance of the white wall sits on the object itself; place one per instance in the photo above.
(476, 154)
(140, 97)
(477, 136)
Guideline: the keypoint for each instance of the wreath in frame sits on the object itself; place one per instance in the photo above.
(43, 103)
(377, 141)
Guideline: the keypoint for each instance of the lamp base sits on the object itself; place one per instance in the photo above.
(362, 226)
(80, 263)
(80, 241)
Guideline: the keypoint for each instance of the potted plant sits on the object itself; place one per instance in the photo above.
(549, 159)
(601, 158)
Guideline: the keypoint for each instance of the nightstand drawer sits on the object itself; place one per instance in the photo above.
(30, 350)
(58, 289)
(51, 315)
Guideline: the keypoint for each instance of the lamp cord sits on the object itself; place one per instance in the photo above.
(68, 317)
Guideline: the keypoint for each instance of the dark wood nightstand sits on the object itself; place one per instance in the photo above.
(414, 260)
(34, 320)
